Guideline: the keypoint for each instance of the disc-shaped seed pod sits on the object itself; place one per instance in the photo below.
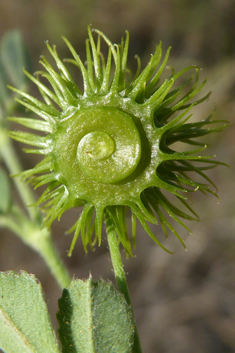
(110, 147)
(104, 143)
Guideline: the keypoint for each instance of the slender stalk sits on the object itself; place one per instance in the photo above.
(39, 239)
(30, 231)
(44, 246)
(7, 222)
(119, 273)
(52, 259)
(12, 162)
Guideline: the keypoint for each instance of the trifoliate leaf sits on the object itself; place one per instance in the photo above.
(94, 318)
(25, 326)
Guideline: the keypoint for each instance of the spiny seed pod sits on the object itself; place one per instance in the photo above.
(109, 148)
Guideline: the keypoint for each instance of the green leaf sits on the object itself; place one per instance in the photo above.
(5, 195)
(94, 318)
(25, 326)
(14, 57)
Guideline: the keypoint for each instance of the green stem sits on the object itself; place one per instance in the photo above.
(7, 222)
(12, 162)
(30, 231)
(54, 262)
(119, 272)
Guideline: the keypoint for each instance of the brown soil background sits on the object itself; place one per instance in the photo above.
(183, 302)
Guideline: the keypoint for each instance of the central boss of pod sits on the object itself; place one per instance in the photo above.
(101, 144)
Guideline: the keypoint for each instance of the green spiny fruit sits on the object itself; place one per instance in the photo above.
(109, 148)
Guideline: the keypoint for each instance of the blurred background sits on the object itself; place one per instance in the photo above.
(183, 302)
